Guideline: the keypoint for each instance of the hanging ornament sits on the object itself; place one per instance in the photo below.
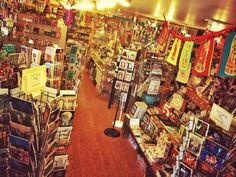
(69, 18)
(204, 57)
(185, 56)
(227, 67)
(162, 39)
(174, 53)
(183, 75)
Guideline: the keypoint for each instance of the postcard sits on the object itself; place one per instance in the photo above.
(184, 171)
(120, 75)
(21, 118)
(127, 76)
(61, 161)
(216, 149)
(190, 159)
(153, 88)
(19, 143)
(195, 143)
(125, 87)
(205, 168)
(125, 53)
(132, 55)
(19, 165)
(52, 126)
(211, 159)
(17, 173)
(20, 130)
(22, 105)
(201, 127)
(118, 85)
(62, 149)
(63, 135)
(19, 154)
(66, 118)
(130, 66)
(221, 117)
(123, 64)
(217, 135)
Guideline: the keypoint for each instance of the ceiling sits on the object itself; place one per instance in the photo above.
(187, 12)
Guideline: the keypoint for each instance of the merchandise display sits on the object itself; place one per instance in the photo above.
(174, 85)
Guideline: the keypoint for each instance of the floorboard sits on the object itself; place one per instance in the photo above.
(93, 154)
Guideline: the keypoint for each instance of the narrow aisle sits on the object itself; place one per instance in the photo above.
(93, 154)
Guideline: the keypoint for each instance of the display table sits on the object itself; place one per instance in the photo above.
(150, 168)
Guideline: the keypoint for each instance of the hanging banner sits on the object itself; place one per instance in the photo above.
(162, 39)
(202, 63)
(227, 67)
(174, 53)
(185, 56)
(183, 75)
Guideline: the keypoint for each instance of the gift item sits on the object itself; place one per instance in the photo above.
(174, 53)
(185, 56)
(202, 63)
(227, 67)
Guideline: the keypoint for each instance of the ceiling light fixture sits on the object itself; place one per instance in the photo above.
(91, 4)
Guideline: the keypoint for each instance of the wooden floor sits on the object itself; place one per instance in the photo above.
(93, 154)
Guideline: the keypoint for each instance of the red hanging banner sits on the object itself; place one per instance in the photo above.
(162, 39)
(202, 63)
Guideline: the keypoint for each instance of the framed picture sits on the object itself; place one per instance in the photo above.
(215, 149)
(211, 159)
(206, 169)
(190, 159)
(130, 66)
(195, 143)
(125, 87)
(128, 76)
(118, 85)
(184, 170)
(218, 136)
(120, 75)
(123, 64)
(153, 88)
(132, 55)
(201, 127)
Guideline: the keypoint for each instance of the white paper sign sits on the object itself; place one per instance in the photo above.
(221, 117)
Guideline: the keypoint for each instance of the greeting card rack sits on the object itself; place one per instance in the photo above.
(4, 131)
(124, 75)
(23, 137)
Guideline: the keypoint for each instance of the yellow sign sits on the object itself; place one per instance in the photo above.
(34, 80)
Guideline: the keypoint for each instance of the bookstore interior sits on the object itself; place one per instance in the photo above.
(171, 76)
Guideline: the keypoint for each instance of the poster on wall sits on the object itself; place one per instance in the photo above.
(221, 117)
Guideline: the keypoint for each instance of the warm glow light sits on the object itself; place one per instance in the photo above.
(84, 5)
(103, 4)
(216, 26)
(171, 12)
(124, 3)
